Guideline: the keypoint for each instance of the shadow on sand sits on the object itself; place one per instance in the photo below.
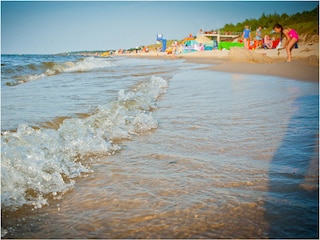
(292, 202)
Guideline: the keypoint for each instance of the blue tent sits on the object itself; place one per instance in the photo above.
(191, 43)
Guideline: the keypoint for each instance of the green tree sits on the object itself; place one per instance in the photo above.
(303, 22)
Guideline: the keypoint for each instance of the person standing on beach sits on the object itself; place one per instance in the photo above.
(259, 37)
(246, 36)
(291, 36)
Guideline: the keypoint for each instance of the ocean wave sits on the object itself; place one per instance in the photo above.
(39, 164)
(35, 71)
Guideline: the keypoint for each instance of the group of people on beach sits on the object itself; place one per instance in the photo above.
(289, 34)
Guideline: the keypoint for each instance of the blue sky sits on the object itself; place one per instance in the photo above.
(55, 27)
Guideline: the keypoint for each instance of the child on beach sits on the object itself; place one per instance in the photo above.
(291, 38)
(246, 36)
(259, 36)
(268, 42)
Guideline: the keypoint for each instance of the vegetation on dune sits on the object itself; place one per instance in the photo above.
(267, 21)
(306, 22)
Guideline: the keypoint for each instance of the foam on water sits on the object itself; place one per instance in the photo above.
(41, 163)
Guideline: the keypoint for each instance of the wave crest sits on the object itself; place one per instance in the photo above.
(33, 71)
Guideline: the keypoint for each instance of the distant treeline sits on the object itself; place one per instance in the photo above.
(305, 22)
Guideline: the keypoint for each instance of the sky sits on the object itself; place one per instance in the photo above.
(49, 27)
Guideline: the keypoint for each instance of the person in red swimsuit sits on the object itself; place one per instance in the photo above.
(291, 38)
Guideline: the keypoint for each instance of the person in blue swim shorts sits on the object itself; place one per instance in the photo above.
(246, 36)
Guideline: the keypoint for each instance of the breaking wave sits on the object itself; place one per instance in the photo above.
(35, 71)
(39, 164)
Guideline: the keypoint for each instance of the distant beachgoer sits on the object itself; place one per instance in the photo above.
(246, 36)
(291, 36)
(259, 36)
(174, 49)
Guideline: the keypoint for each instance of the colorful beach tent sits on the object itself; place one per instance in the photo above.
(210, 45)
(191, 42)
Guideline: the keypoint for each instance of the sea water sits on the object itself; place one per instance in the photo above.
(137, 148)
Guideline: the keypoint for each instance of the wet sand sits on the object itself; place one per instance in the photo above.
(304, 65)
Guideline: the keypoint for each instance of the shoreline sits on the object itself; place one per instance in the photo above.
(304, 65)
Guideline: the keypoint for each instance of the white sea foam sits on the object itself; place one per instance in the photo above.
(40, 163)
(86, 64)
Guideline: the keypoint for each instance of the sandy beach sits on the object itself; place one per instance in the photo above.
(304, 66)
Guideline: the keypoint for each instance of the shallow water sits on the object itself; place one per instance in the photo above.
(221, 156)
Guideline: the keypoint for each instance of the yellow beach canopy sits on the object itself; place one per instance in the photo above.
(105, 54)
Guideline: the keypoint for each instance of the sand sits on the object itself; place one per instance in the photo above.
(304, 65)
